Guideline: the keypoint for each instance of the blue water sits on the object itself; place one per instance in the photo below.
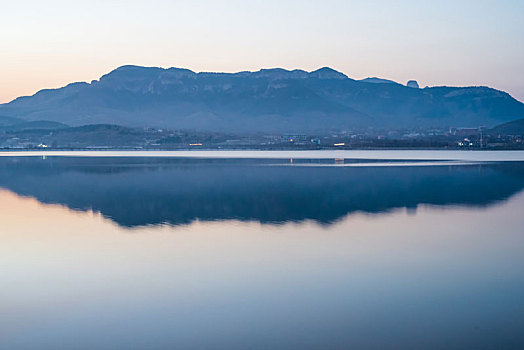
(245, 252)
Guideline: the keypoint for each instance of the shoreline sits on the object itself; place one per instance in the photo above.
(459, 155)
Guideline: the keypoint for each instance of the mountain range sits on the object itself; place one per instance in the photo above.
(268, 100)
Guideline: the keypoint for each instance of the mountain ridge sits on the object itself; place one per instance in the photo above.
(266, 100)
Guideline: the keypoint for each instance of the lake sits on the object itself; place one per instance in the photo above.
(262, 250)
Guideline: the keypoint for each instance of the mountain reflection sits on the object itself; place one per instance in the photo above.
(148, 191)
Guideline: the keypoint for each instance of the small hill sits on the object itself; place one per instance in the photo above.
(515, 127)
(375, 80)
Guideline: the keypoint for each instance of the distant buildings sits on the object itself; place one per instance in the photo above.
(295, 137)
(464, 132)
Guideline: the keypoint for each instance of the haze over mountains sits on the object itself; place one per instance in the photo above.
(269, 100)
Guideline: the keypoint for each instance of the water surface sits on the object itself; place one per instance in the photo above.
(267, 253)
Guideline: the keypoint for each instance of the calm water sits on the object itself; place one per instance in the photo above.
(419, 251)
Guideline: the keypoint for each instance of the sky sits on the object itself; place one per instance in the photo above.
(48, 44)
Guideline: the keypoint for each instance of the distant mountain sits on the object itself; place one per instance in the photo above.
(515, 127)
(376, 80)
(269, 100)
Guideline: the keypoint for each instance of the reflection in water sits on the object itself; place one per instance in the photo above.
(449, 277)
(145, 191)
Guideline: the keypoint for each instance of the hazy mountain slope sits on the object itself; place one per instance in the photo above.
(512, 128)
(33, 125)
(267, 100)
(5, 121)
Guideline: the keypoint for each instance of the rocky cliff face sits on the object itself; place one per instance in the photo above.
(412, 84)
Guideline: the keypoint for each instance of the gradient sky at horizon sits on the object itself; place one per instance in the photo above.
(52, 43)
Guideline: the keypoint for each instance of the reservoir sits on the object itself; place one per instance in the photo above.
(249, 250)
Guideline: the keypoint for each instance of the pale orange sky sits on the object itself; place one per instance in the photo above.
(50, 44)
